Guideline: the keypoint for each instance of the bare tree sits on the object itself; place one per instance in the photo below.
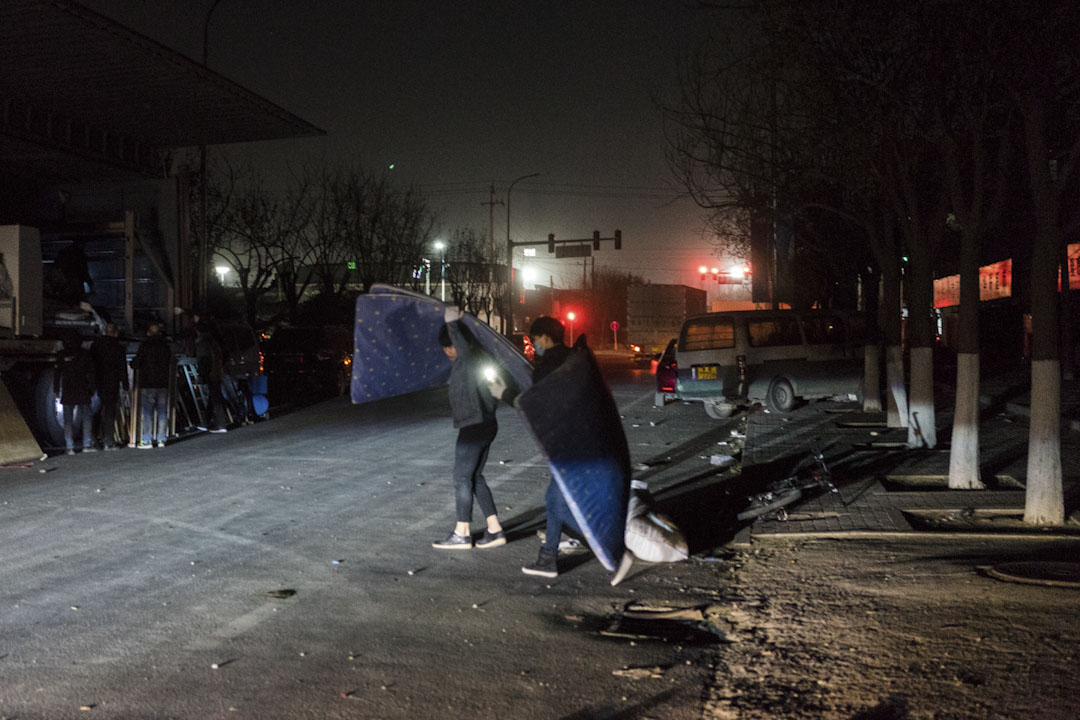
(470, 273)
(1043, 69)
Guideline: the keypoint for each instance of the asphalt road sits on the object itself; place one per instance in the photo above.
(141, 583)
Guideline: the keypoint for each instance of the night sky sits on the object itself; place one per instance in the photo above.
(457, 95)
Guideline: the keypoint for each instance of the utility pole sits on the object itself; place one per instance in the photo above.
(491, 203)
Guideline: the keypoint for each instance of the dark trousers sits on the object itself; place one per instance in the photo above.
(108, 420)
(470, 456)
(558, 517)
(216, 400)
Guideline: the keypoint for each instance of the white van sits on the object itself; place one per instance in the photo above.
(729, 359)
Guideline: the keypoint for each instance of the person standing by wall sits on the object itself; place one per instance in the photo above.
(110, 364)
(74, 384)
(154, 364)
(474, 416)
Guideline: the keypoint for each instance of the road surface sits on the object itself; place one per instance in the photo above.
(146, 583)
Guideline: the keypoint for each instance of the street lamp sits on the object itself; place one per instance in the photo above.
(570, 316)
(441, 247)
(508, 321)
(222, 271)
(528, 275)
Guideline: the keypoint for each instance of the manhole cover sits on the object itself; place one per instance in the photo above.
(1056, 574)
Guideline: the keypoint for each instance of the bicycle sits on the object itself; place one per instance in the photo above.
(781, 493)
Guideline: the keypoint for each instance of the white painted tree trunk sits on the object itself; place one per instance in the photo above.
(1044, 501)
(896, 394)
(922, 422)
(964, 452)
(871, 397)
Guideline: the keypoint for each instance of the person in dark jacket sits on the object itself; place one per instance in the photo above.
(154, 365)
(547, 336)
(75, 386)
(473, 411)
(110, 365)
(211, 364)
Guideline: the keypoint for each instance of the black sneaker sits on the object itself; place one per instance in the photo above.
(491, 539)
(454, 541)
(546, 565)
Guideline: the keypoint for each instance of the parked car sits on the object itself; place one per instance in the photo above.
(666, 369)
(310, 359)
(775, 357)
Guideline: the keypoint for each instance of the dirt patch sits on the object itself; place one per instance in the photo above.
(900, 629)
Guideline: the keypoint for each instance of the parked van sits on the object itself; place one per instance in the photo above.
(776, 357)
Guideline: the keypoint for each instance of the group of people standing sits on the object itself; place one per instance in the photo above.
(473, 410)
(102, 369)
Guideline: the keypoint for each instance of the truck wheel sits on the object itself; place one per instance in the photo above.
(718, 410)
(781, 396)
(48, 420)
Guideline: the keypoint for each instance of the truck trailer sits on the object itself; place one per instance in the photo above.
(655, 313)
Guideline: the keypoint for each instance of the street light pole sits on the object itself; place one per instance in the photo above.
(508, 319)
(441, 247)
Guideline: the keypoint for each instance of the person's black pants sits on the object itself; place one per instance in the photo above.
(470, 456)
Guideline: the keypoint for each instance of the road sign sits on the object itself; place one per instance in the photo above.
(569, 251)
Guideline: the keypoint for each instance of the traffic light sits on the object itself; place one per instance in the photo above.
(551, 242)
(618, 239)
(595, 239)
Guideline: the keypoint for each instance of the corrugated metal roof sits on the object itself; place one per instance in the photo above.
(60, 59)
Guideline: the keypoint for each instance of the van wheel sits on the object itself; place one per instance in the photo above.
(781, 396)
(718, 411)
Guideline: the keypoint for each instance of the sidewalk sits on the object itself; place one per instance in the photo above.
(883, 487)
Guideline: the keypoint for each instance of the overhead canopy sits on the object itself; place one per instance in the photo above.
(77, 83)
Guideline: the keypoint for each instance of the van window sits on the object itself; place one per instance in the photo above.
(709, 333)
(773, 332)
(824, 330)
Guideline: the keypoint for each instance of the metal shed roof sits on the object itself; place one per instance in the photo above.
(61, 63)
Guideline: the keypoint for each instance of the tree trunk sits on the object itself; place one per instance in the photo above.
(922, 420)
(964, 470)
(1044, 502)
(871, 396)
(964, 473)
(896, 393)
(871, 378)
(922, 430)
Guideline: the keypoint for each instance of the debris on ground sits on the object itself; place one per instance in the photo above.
(281, 594)
(640, 673)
